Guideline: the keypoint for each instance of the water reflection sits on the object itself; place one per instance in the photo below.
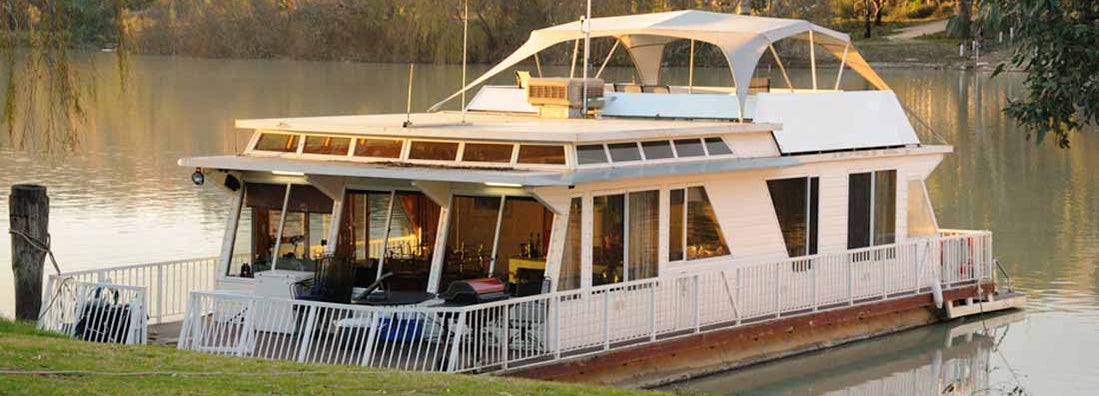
(958, 359)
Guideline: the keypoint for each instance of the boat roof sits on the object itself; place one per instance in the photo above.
(742, 39)
(505, 127)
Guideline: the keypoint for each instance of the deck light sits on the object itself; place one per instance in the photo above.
(492, 184)
(284, 173)
(198, 178)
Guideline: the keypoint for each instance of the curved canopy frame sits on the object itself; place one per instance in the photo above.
(742, 39)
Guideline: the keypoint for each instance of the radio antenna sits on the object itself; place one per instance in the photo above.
(465, 46)
(408, 104)
(586, 25)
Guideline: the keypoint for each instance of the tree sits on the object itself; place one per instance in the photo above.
(879, 9)
(1057, 43)
(958, 25)
(866, 6)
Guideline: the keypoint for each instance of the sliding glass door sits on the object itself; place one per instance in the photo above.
(871, 209)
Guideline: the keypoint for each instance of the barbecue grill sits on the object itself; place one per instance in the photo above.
(475, 291)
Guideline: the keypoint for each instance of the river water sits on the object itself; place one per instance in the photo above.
(119, 198)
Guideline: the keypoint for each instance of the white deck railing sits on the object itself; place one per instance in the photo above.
(166, 285)
(535, 329)
(97, 312)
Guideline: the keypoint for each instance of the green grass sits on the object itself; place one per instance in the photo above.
(39, 359)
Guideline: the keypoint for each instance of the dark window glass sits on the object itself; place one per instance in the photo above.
(532, 154)
(326, 145)
(382, 148)
(525, 227)
(716, 146)
(591, 154)
(439, 151)
(872, 211)
(657, 150)
(470, 238)
(623, 152)
(608, 227)
(279, 142)
(796, 208)
(689, 148)
(885, 207)
(814, 214)
(677, 211)
(485, 152)
(858, 210)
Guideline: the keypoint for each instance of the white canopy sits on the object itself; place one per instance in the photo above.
(742, 39)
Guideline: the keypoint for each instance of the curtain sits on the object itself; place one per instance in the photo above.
(644, 234)
(570, 260)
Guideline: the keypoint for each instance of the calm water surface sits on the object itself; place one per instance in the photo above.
(121, 199)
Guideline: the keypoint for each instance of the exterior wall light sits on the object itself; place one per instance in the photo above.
(198, 178)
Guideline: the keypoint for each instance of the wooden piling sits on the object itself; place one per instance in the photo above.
(29, 215)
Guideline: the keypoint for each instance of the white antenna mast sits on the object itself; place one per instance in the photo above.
(408, 104)
(465, 46)
(587, 54)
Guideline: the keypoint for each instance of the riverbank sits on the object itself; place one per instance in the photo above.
(38, 363)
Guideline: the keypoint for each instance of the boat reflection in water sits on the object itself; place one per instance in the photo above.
(955, 358)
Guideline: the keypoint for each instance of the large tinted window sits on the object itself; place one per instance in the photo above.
(858, 210)
(716, 146)
(795, 201)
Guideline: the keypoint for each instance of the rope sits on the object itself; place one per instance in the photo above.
(45, 247)
(42, 247)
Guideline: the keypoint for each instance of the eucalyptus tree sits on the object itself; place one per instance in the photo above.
(1058, 49)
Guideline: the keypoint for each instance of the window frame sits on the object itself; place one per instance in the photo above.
(685, 261)
(873, 205)
(810, 227)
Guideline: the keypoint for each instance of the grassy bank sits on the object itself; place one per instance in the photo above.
(37, 363)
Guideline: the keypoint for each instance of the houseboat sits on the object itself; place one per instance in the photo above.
(571, 227)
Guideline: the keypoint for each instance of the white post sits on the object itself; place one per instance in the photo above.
(230, 237)
(691, 70)
(282, 222)
(606, 320)
(605, 61)
(159, 294)
(385, 235)
(334, 221)
(781, 67)
(843, 63)
(575, 53)
(813, 59)
(438, 252)
(496, 236)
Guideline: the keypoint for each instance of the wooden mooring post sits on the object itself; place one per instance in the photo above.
(29, 216)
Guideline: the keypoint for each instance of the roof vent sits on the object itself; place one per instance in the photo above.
(563, 97)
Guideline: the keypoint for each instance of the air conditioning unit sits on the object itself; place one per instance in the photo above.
(564, 97)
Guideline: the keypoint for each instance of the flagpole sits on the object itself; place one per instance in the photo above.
(587, 54)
